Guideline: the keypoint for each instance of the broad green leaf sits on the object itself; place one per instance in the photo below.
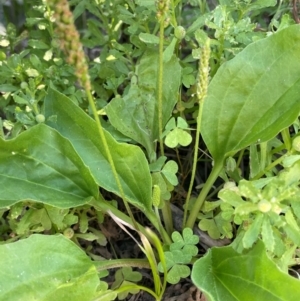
(223, 274)
(131, 164)
(42, 166)
(46, 268)
(136, 113)
(253, 96)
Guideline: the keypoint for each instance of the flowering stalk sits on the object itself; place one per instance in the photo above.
(203, 80)
(70, 41)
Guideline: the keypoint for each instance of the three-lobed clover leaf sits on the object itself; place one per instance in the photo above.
(164, 176)
(180, 254)
(169, 171)
(123, 277)
(177, 134)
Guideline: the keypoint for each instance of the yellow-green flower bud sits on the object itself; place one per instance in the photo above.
(179, 32)
(40, 118)
(264, 206)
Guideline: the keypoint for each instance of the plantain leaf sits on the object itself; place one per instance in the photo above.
(224, 274)
(42, 166)
(131, 164)
(255, 95)
(46, 268)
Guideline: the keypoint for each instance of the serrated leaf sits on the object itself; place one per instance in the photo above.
(248, 190)
(291, 221)
(221, 269)
(41, 268)
(230, 197)
(292, 234)
(253, 232)
(74, 124)
(267, 234)
(45, 168)
(240, 108)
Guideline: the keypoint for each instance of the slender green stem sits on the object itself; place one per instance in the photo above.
(286, 138)
(156, 223)
(167, 217)
(269, 167)
(160, 84)
(204, 192)
(108, 154)
(153, 264)
(195, 160)
(263, 154)
(156, 242)
(239, 160)
(119, 263)
(137, 287)
(166, 210)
